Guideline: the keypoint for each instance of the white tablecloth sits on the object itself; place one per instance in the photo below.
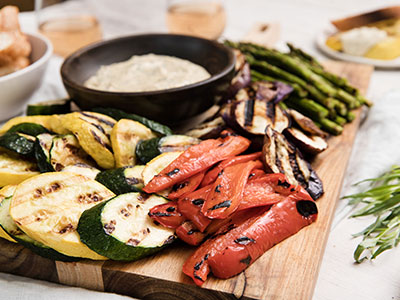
(376, 147)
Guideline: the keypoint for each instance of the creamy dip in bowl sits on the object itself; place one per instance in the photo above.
(170, 106)
(144, 73)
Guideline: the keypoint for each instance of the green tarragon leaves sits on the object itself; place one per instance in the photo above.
(382, 200)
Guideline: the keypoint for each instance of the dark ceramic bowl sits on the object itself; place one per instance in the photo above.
(170, 106)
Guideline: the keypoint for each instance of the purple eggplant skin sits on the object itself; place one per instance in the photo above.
(315, 187)
(283, 91)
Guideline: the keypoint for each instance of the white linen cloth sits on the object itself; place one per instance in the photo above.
(376, 148)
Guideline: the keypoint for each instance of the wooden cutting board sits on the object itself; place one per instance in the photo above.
(287, 271)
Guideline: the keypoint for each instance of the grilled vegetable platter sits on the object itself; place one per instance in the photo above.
(105, 184)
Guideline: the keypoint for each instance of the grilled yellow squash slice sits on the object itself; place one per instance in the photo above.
(124, 137)
(6, 192)
(14, 169)
(92, 133)
(48, 207)
(52, 123)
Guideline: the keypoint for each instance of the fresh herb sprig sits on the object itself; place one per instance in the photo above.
(382, 200)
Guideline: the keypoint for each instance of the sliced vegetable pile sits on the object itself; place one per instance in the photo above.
(105, 184)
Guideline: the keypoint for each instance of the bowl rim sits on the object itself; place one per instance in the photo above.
(66, 78)
(42, 60)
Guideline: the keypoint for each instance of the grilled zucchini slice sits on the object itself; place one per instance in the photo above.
(52, 123)
(48, 207)
(82, 169)
(5, 193)
(157, 164)
(66, 151)
(8, 225)
(147, 150)
(121, 229)
(122, 180)
(124, 137)
(119, 114)
(31, 129)
(92, 131)
(61, 106)
(14, 169)
(18, 142)
(43, 145)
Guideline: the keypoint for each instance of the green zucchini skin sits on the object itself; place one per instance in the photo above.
(29, 129)
(42, 156)
(117, 181)
(62, 106)
(93, 235)
(146, 150)
(119, 114)
(17, 234)
(17, 143)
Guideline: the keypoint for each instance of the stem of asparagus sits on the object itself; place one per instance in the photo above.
(313, 108)
(298, 67)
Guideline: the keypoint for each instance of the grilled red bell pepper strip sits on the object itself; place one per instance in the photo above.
(190, 207)
(256, 173)
(188, 233)
(167, 214)
(259, 192)
(197, 158)
(227, 191)
(231, 253)
(187, 186)
(212, 175)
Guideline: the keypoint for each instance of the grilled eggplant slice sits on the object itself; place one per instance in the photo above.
(122, 180)
(92, 131)
(305, 123)
(147, 150)
(61, 106)
(14, 169)
(59, 199)
(252, 116)
(121, 229)
(125, 136)
(52, 123)
(280, 156)
(311, 144)
(208, 130)
(82, 169)
(9, 227)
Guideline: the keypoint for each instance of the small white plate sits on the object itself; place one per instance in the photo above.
(321, 39)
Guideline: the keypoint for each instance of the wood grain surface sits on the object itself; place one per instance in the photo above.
(287, 271)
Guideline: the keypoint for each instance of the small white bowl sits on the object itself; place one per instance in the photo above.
(17, 87)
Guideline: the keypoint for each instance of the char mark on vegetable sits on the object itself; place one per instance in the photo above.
(170, 209)
(246, 260)
(249, 113)
(244, 240)
(226, 203)
(218, 188)
(98, 119)
(284, 184)
(173, 172)
(198, 202)
(306, 208)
